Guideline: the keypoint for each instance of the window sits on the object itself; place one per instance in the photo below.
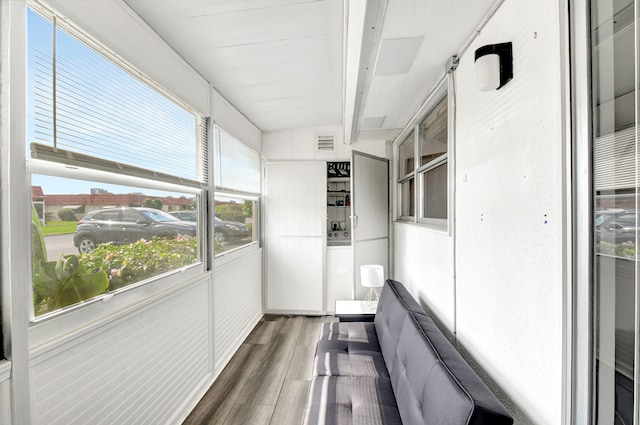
(110, 156)
(406, 175)
(237, 181)
(432, 133)
(616, 222)
(423, 183)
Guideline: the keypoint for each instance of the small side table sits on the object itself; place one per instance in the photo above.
(356, 310)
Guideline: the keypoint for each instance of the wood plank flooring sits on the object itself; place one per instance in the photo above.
(267, 380)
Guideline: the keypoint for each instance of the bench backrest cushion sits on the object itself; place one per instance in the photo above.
(432, 383)
(393, 307)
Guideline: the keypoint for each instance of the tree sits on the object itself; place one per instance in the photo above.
(247, 208)
(153, 203)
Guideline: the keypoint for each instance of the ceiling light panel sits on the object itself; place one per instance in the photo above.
(397, 55)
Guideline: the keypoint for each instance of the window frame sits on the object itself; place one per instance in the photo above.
(58, 163)
(407, 178)
(221, 190)
(444, 89)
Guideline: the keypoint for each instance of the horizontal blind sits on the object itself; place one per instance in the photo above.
(94, 107)
(617, 160)
(237, 167)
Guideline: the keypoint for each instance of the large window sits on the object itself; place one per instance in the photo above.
(115, 162)
(237, 182)
(423, 183)
(614, 56)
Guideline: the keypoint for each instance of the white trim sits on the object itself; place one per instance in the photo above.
(578, 304)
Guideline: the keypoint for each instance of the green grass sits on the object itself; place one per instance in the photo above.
(59, 227)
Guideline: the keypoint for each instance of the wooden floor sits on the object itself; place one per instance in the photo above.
(267, 380)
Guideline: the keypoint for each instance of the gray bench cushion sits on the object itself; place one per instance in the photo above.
(348, 400)
(431, 381)
(349, 349)
(400, 369)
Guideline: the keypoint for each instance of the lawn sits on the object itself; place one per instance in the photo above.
(59, 227)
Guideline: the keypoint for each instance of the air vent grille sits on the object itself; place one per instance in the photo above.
(325, 143)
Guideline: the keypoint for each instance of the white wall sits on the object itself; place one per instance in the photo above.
(300, 144)
(499, 283)
(226, 116)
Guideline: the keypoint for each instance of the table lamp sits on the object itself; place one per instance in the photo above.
(372, 277)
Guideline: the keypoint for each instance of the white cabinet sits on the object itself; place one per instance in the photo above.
(294, 236)
(339, 275)
(313, 245)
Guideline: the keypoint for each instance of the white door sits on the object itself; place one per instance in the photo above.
(370, 215)
(294, 236)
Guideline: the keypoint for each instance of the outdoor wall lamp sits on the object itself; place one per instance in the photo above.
(494, 66)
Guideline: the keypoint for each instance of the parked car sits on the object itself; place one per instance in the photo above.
(127, 225)
(226, 231)
(618, 227)
(185, 215)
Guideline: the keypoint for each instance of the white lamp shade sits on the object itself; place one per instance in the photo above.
(372, 275)
(488, 72)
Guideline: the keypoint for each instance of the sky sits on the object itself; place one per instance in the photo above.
(101, 111)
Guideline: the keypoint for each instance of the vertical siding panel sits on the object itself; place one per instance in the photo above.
(237, 305)
(139, 370)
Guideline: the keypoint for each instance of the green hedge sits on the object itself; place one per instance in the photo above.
(127, 264)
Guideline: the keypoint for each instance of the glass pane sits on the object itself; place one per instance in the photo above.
(236, 223)
(406, 156)
(103, 237)
(407, 190)
(433, 133)
(435, 192)
(101, 110)
(237, 166)
(615, 218)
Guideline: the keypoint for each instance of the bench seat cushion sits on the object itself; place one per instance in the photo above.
(349, 349)
(350, 400)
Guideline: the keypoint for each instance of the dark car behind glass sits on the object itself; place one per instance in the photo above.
(127, 225)
(227, 231)
(619, 227)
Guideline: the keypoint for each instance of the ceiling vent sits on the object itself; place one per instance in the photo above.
(325, 143)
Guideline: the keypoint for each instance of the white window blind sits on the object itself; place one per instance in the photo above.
(86, 103)
(237, 167)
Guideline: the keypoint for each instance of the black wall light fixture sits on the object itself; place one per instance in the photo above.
(494, 66)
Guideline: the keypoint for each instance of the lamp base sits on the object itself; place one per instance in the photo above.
(372, 295)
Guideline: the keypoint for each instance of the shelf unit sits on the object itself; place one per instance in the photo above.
(338, 203)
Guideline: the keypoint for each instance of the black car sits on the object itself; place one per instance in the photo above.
(226, 231)
(185, 215)
(127, 225)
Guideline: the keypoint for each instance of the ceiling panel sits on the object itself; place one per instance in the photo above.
(444, 26)
(278, 61)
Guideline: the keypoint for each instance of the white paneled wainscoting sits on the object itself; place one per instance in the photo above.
(150, 365)
(137, 368)
(237, 304)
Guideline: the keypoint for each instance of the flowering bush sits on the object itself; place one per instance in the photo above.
(130, 263)
(624, 250)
